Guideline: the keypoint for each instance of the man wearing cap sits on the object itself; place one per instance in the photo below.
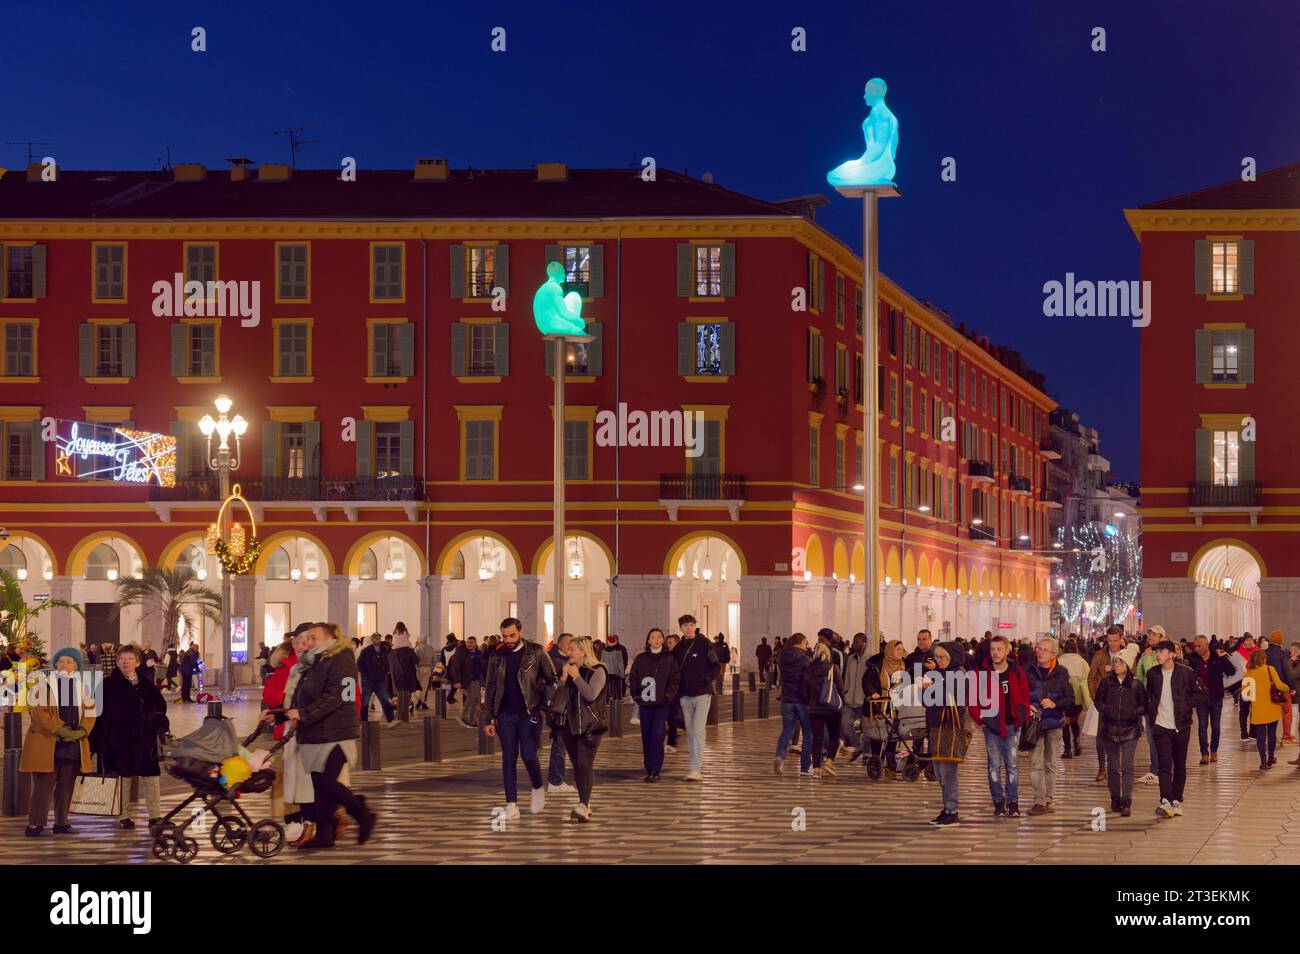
(1172, 692)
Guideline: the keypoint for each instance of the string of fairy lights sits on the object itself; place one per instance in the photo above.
(1097, 585)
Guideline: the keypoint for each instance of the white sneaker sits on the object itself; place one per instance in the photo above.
(292, 831)
(393, 724)
(670, 749)
(1177, 807)
(538, 801)
(1150, 778)
(512, 812)
(1164, 809)
(562, 788)
(695, 776)
(634, 721)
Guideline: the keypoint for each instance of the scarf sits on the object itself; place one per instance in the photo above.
(889, 666)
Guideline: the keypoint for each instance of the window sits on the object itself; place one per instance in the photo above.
(110, 272)
(893, 396)
(293, 347)
(708, 271)
(293, 451)
(839, 461)
(857, 314)
(925, 353)
(18, 450)
(480, 450)
(814, 356)
(984, 395)
(952, 366)
(814, 455)
(482, 349)
(907, 403)
(925, 412)
(893, 479)
(841, 371)
(201, 353)
(859, 385)
(1223, 268)
(481, 261)
(839, 301)
(893, 328)
(708, 348)
(388, 448)
(108, 351)
(961, 385)
(386, 272)
(196, 452)
(392, 346)
(710, 461)
(292, 271)
(20, 272)
(576, 260)
(1225, 457)
(19, 349)
(200, 264)
(278, 566)
(577, 458)
(938, 360)
(1223, 349)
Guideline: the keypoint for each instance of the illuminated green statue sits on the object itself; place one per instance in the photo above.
(880, 130)
(555, 312)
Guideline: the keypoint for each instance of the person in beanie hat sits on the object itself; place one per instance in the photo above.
(56, 749)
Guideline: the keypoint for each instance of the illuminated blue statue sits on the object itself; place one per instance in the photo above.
(555, 312)
(880, 129)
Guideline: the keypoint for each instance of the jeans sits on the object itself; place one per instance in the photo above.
(473, 694)
(1172, 747)
(519, 734)
(695, 712)
(654, 720)
(329, 792)
(555, 767)
(1266, 740)
(1072, 730)
(1209, 715)
(1002, 751)
(1151, 746)
(381, 690)
(1243, 717)
(795, 713)
(824, 738)
(848, 716)
(674, 716)
(582, 753)
(1045, 766)
(947, 775)
(1119, 759)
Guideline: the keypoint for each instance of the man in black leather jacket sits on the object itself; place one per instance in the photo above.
(517, 676)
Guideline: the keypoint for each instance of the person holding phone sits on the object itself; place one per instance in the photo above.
(517, 676)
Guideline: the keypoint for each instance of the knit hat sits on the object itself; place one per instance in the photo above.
(1129, 654)
(70, 653)
(1275, 638)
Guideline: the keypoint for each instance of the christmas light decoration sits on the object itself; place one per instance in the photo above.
(1101, 572)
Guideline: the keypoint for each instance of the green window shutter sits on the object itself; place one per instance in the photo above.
(548, 357)
(727, 339)
(379, 350)
(406, 452)
(501, 275)
(406, 349)
(365, 467)
(685, 347)
(685, 271)
(38, 271)
(811, 344)
(1202, 455)
(596, 349)
(312, 429)
(821, 357)
(459, 353)
(553, 252)
(1245, 462)
(38, 452)
(86, 349)
(728, 269)
(178, 349)
(501, 348)
(1246, 266)
(181, 433)
(1203, 343)
(1246, 357)
(597, 267)
(270, 446)
(458, 271)
(128, 350)
(821, 284)
(1202, 267)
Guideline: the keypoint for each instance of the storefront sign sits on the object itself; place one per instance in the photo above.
(239, 639)
(106, 452)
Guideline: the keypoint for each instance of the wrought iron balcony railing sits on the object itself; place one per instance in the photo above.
(1050, 497)
(701, 487)
(982, 534)
(394, 488)
(1019, 485)
(1224, 495)
(979, 469)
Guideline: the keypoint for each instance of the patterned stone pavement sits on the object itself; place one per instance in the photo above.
(743, 814)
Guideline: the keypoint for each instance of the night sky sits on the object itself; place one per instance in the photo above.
(1052, 140)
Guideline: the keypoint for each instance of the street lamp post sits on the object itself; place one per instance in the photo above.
(560, 342)
(223, 463)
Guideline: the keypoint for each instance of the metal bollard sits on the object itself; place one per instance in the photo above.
(403, 705)
(485, 741)
(432, 739)
(753, 682)
(713, 709)
(616, 719)
(17, 785)
(763, 693)
(371, 760)
(735, 682)
(440, 702)
(737, 706)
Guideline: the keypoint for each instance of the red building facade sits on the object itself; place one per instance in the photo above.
(398, 455)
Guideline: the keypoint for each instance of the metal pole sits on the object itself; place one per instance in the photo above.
(557, 537)
(226, 680)
(870, 474)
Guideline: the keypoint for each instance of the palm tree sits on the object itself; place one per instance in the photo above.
(159, 590)
(17, 615)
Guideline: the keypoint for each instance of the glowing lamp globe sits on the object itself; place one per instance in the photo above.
(222, 404)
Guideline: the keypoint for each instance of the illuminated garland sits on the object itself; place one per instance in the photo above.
(1098, 595)
(238, 564)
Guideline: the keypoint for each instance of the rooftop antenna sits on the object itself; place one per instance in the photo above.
(294, 142)
(168, 163)
(28, 143)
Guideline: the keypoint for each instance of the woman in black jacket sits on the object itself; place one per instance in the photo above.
(654, 682)
(323, 712)
(1121, 702)
(125, 735)
(825, 691)
(585, 717)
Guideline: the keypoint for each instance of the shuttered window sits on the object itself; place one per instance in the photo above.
(292, 270)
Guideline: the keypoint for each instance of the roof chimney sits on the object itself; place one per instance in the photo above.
(273, 172)
(552, 172)
(239, 168)
(35, 170)
(432, 170)
(190, 172)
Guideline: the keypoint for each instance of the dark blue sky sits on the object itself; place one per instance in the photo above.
(1052, 140)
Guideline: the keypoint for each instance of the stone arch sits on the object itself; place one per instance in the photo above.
(271, 543)
(949, 577)
(352, 562)
(984, 589)
(449, 551)
(840, 560)
(909, 567)
(815, 559)
(16, 535)
(677, 549)
(923, 571)
(962, 587)
(892, 569)
(172, 551)
(857, 564)
(544, 551)
(77, 557)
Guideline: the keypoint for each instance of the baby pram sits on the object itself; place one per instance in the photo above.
(196, 760)
(899, 719)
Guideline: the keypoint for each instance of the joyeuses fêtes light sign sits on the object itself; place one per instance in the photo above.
(105, 452)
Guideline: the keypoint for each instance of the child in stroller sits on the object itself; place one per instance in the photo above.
(198, 760)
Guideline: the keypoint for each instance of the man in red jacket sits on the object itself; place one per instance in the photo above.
(1006, 691)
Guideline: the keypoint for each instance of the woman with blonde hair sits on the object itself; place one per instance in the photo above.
(581, 710)
(1258, 687)
(884, 670)
(825, 691)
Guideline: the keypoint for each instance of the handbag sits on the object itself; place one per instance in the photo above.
(1090, 722)
(949, 740)
(830, 696)
(97, 795)
(1031, 732)
(557, 713)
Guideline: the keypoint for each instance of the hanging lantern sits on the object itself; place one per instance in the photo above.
(576, 567)
(214, 534)
(238, 540)
(485, 570)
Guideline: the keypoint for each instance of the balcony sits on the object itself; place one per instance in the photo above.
(1224, 496)
(1097, 462)
(980, 470)
(1019, 544)
(1018, 485)
(702, 490)
(1047, 449)
(315, 493)
(1052, 498)
(982, 534)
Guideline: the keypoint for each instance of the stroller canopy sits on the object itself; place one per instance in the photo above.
(213, 741)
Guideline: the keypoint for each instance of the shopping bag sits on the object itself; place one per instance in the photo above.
(1090, 722)
(950, 740)
(97, 795)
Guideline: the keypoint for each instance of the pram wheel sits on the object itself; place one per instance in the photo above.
(266, 839)
(929, 773)
(185, 850)
(874, 768)
(162, 848)
(228, 835)
(911, 771)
